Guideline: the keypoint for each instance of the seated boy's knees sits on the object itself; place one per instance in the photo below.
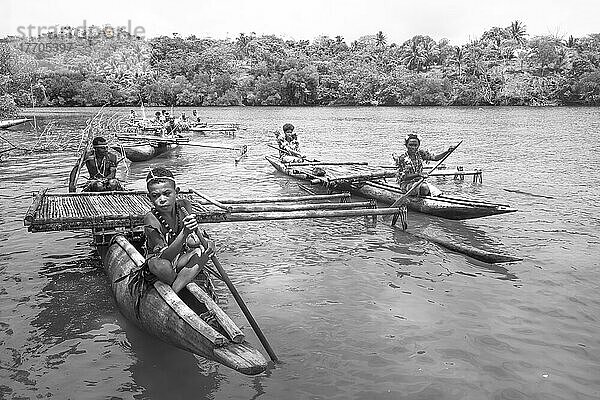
(192, 241)
(158, 265)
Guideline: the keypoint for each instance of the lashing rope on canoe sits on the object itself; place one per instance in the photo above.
(140, 280)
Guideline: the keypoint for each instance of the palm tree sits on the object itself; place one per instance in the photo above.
(415, 58)
(517, 32)
(458, 57)
(380, 39)
(242, 43)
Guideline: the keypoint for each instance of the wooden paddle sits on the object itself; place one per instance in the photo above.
(74, 175)
(263, 340)
(401, 199)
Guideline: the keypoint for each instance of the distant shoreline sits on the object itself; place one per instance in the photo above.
(32, 110)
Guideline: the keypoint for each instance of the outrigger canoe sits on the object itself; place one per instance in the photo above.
(7, 123)
(178, 319)
(444, 206)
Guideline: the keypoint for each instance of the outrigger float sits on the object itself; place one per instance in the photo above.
(186, 320)
(7, 123)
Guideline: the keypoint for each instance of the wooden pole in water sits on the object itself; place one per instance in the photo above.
(287, 199)
(303, 214)
(470, 251)
(299, 207)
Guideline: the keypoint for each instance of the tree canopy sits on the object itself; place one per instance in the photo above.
(505, 66)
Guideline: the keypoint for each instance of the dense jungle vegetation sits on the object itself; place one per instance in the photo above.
(505, 66)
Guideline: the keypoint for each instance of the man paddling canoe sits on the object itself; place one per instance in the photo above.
(410, 166)
(289, 145)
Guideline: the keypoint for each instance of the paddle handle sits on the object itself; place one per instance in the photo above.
(237, 297)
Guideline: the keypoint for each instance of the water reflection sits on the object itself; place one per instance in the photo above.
(162, 371)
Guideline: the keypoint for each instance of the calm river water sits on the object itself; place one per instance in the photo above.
(353, 312)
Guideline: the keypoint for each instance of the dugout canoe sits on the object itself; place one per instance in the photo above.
(444, 206)
(7, 123)
(146, 151)
(176, 318)
(172, 318)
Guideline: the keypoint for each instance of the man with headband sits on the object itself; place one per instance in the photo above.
(174, 252)
(101, 164)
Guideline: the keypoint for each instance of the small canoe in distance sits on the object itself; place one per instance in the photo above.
(176, 319)
(146, 151)
(444, 206)
(7, 123)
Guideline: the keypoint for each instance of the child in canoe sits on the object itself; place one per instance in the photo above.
(174, 253)
(289, 147)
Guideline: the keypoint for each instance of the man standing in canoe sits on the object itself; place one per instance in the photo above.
(175, 255)
(101, 164)
(410, 166)
(289, 147)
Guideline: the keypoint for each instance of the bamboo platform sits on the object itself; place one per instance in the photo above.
(118, 212)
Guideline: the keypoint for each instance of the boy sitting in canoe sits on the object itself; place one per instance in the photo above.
(174, 253)
(410, 166)
(101, 164)
(288, 145)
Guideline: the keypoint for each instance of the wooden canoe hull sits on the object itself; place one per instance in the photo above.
(167, 317)
(7, 123)
(145, 152)
(444, 206)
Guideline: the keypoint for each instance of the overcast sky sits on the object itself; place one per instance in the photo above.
(458, 21)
